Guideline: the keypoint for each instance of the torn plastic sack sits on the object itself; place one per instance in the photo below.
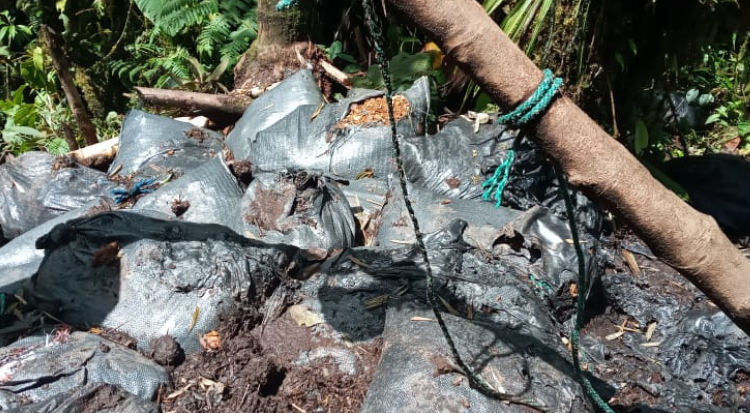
(298, 208)
(148, 277)
(157, 146)
(703, 357)
(416, 372)
(37, 186)
(73, 363)
(307, 135)
(537, 237)
(717, 185)
(104, 398)
(434, 212)
(456, 161)
(20, 259)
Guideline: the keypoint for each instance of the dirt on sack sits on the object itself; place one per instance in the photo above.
(255, 369)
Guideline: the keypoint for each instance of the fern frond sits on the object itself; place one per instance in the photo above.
(192, 15)
(213, 33)
(239, 41)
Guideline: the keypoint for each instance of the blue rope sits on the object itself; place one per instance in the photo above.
(525, 112)
(121, 195)
(285, 4)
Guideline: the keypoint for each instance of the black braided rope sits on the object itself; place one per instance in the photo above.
(474, 379)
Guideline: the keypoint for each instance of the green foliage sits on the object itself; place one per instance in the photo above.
(192, 44)
(223, 27)
(335, 51)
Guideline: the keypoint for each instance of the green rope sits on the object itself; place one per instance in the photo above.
(472, 376)
(2, 303)
(496, 184)
(583, 287)
(525, 112)
(536, 104)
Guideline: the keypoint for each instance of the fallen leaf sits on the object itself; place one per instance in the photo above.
(303, 316)
(630, 260)
(210, 340)
(650, 330)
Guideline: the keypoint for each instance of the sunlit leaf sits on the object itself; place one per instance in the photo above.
(641, 137)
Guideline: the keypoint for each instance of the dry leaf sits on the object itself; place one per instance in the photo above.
(614, 336)
(303, 316)
(630, 260)
(210, 340)
(650, 330)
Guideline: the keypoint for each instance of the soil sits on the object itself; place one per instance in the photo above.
(104, 398)
(255, 370)
(375, 111)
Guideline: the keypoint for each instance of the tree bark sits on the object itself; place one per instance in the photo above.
(281, 35)
(52, 40)
(222, 109)
(596, 163)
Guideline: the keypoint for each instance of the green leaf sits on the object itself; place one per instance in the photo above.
(25, 130)
(335, 49)
(347, 58)
(57, 146)
(713, 118)
(620, 61)
(38, 59)
(220, 69)
(743, 128)
(641, 137)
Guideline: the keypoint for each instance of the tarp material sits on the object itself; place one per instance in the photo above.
(702, 354)
(20, 259)
(506, 276)
(717, 185)
(37, 186)
(157, 146)
(37, 368)
(298, 208)
(171, 268)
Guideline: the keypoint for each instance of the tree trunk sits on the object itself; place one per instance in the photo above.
(52, 40)
(222, 109)
(281, 35)
(596, 163)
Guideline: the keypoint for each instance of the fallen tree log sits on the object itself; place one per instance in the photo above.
(222, 109)
(97, 156)
(594, 162)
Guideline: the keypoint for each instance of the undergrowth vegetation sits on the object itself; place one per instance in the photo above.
(685, 93)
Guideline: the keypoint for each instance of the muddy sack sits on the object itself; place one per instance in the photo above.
(298, 208)
(37, 369)
(512, 339)
(148, 277)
